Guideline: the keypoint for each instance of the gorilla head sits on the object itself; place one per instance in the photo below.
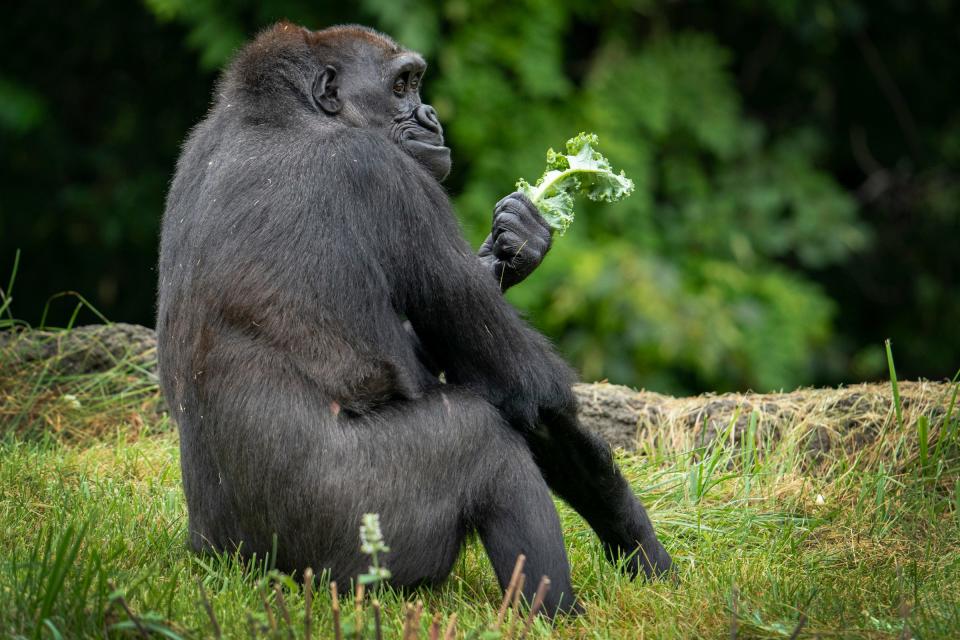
(354, 76)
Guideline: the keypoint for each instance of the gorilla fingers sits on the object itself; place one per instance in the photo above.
(518, 242)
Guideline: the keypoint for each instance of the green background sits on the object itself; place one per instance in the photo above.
(796, 165)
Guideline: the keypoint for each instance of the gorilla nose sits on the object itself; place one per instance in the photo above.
(427, 117)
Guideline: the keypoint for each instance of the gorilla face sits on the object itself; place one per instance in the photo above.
(415, 126)
(381, 89)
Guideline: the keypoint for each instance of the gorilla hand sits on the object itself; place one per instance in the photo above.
(518, 241)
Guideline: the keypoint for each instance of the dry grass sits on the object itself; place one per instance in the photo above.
(857, 420)
(90, 383)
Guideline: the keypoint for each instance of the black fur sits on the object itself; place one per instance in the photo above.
(301, 231)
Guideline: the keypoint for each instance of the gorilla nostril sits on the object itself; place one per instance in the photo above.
(427, 117)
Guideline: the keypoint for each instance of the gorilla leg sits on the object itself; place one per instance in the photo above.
(483, 469)
(579, 467)
(522, 519)
(434, 468)
(512, 509)
(465, 458)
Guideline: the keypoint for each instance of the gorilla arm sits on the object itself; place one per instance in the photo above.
(478, 339)
(453, 304)
(518, 242)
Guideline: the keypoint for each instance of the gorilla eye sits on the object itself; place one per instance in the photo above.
(399, 86)
(415, 83)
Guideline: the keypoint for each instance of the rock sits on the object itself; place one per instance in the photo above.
(86, 349)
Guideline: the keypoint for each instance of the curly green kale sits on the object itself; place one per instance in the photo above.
(581, 170)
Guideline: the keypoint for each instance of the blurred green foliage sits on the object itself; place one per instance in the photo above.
(796, 166)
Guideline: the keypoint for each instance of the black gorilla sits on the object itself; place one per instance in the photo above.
(313, 284)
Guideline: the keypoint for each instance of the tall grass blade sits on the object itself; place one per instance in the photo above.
(6, 296)
(81, 304)
(749, 452)
(57, 567)
(923, 427)
(898, 406)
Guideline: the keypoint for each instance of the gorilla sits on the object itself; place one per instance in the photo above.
(330, 346)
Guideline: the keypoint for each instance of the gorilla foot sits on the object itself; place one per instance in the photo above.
(648, 558)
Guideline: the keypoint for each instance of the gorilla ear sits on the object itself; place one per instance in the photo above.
(325, 92)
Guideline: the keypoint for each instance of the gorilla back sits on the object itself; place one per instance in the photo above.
(304, 224)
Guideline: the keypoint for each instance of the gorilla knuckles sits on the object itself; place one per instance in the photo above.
(355, 77)
(518, 242)
(303, 225)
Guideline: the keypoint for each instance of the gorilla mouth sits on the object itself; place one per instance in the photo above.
(420, 135)
(434, 157)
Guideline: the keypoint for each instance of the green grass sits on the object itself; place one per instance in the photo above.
(93, 530)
